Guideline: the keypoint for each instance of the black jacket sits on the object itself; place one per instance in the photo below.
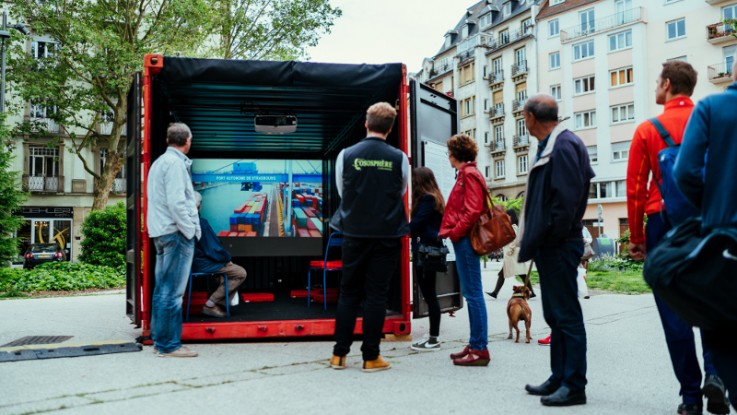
(557, 194)
(425, 223)
(372, 205)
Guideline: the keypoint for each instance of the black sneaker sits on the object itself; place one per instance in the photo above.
(492, 294)
(716, 401)
(425, 345)
(690, 409)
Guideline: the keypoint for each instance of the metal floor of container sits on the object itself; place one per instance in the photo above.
(282, 308)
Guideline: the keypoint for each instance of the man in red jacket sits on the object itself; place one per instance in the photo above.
(673, 90)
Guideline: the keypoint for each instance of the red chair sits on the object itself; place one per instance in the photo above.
(335, 240)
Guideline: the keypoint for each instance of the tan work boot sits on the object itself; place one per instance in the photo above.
(337, 362)
(375, 365)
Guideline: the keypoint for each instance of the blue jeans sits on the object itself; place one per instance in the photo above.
(678, 335)
(558, 269)
(468, 266)
(174, 255)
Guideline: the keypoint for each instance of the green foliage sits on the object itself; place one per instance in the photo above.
(104, 237)
(515, 204)
(59, 276)
(619, 263)
(11, 199)
(274, 30)
(100, 45)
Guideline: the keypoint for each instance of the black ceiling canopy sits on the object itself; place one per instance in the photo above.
(218, 99)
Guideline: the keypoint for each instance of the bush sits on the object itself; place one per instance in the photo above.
(60, 276)
(104, 237)
(618, 263)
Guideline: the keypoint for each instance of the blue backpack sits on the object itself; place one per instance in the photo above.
(677, 207)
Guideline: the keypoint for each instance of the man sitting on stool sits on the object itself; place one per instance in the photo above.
(210, 257)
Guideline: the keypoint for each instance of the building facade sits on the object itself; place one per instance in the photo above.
(599, 58)
(58, 186)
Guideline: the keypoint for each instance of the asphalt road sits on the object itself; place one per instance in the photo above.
(628, 367)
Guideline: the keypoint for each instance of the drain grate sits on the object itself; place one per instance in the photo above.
(25, 341)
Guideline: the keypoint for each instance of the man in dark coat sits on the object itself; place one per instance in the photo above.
(555, 201)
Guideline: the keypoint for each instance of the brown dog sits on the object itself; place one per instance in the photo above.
(518, 309)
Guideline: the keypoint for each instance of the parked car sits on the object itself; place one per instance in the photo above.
(40, 253)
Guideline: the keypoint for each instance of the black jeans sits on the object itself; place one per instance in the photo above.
(721, 344)
(558, 268)
(368, 267)
(426, 279)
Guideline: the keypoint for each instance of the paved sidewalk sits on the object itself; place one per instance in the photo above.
(629, 369)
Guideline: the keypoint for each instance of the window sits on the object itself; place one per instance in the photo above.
(522, 164)
(526, 25)
(487, 171)
(553, 28)
(593, 154)
(485, 20)
(621, 40)
(620, 77)
(729, 12)
(520, 57)
(43, 49)
(621, 186)
(554, 60)
(486, 137)
(554, 2)
(521, 128)
(468, 107)
(499, 169)
(620, 151)
(496, 67)
(624, 11)
(586, 18)
(467, 73)
(675, 29)
(583, 85)
(583, 50)
(43, 161)
(555, 92)
(39, 110)
(623, 113)
(507, 8)
(504, 37)
(499, 133)
(729, 53)
(585, 119)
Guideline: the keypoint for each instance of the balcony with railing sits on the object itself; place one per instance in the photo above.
(721, 32)
(119, 185)
(496, 80)
(498, 147)
(44, 124)
(43, 184)
(518, 105)
(519, 71)
(496, 112)
(106, 128)
(521, 142)
(719, 73)
(611, 22)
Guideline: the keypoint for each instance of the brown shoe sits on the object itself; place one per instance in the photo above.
(460, 354)
(213, 311)
(474, 358)
(337, 362)
(180, 352)
(375, 365)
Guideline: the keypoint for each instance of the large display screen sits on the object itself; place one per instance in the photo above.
(249, 201)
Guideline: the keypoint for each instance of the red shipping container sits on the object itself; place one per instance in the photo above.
(317, 295)
(298, 293)
(199, 298)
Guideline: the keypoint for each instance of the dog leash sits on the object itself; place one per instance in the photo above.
(529, 271)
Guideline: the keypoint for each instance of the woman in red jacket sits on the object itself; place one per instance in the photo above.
(465, 205)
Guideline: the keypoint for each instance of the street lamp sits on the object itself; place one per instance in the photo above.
(4, 34)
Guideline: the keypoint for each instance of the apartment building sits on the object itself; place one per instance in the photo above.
(487, 62)
(601, 58)
(59, 188)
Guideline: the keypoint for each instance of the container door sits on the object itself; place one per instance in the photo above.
(133, 208)
(433, 120)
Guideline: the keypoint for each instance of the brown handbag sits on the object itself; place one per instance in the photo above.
(493, 230)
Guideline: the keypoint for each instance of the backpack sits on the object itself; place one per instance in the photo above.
(677, 207)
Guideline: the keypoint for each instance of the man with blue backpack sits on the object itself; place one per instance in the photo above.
(652, 154)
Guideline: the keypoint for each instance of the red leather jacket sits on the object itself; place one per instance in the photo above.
(465, 203)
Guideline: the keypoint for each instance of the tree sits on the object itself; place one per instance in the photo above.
(275, 30)
(10, 199)
(83, 77)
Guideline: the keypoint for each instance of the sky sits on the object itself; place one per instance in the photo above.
(388, 31)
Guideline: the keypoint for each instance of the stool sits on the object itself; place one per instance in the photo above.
(193, 275)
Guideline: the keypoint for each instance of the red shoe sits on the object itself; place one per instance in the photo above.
(474, 358)
(461, 354)
(544, 342)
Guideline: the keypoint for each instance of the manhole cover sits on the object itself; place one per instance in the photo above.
(25, 341)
